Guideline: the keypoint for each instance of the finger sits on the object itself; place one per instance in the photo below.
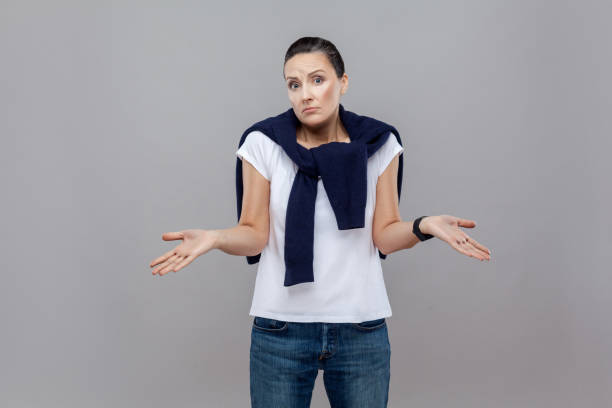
(464, 246)
(172, 264)
(465, 238)
(475, 251)
(461, 249)
(170, 236)
(175, 263)
(162, 258)
(463, 222)
(160, 268)
(479, 246)
(183, 263)
(168, 265)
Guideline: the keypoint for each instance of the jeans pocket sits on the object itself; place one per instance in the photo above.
(370, 325)
(269, 325)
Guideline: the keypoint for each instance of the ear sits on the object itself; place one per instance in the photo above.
(344, 86)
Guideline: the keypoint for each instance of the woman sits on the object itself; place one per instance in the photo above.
(318, 196)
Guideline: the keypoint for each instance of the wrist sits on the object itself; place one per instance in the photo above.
(424, 224)
(217, 238)
(420, 228)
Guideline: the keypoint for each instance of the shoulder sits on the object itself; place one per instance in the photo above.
(390, 146)
(261, 151)
(387, 152)
(256, 140)
(259, 138)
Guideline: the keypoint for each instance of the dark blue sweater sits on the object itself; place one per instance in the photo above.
(343, 171)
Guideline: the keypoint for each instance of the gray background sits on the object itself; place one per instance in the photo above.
(120, 121)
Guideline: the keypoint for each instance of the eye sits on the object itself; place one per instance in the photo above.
(291, 85)
(319, 78)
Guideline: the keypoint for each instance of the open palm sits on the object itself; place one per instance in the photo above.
(448, 229)
(195, 243)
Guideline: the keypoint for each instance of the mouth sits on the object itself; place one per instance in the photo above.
(309, 110)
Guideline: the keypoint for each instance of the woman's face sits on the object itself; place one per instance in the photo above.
(312, 83)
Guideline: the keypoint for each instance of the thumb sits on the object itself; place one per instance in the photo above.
(466, 223)
(170, 236)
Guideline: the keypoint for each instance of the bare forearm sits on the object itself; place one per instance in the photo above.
(240, 240)
(396, 236)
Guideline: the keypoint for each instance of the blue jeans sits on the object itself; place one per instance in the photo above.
(285, 358)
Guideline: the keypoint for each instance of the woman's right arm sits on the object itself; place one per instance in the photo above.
(250, 236)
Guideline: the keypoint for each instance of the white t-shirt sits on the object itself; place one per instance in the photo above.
(348, 280)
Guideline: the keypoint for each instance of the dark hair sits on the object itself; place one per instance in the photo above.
(313, 44)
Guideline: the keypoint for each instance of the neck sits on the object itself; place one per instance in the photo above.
(328, 131)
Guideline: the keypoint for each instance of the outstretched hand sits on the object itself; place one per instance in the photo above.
(195, 243)
(447, 228)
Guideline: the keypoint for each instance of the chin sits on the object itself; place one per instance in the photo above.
(312, 120)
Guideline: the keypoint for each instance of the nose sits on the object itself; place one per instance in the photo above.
(306, 95)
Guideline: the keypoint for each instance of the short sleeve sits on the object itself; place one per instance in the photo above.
(387, 152)
(256, 149)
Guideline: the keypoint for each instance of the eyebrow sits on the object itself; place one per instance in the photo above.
(316, 70)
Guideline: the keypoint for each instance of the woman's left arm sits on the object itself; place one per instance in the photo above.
(391, 234)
